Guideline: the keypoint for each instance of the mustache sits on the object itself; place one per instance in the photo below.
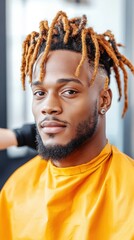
(52, 119)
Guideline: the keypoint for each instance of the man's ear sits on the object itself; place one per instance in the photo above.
(105, 100)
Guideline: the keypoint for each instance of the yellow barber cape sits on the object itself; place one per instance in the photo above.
(93, 201)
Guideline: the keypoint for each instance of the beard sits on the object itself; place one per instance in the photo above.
(84, 132)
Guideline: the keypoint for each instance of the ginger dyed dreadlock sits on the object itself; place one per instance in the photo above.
(72, 34)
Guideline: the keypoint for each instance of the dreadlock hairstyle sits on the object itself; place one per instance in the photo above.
(72, 34)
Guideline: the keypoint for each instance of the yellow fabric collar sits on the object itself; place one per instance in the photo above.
(91, 165)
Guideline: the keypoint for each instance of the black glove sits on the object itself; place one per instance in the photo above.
(26, 135)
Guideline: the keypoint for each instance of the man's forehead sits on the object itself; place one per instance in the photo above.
(60, 54)
(67, 61)
(63, 60)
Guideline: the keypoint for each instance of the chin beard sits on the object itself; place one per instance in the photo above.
(84, 132)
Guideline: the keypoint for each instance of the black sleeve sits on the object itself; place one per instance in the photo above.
(26, 135)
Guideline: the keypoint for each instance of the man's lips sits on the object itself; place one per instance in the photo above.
(49, 127)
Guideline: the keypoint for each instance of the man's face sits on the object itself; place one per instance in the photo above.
(65, 107)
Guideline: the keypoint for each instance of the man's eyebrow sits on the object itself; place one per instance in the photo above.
(36, 83)
(66, 80)
(61, 80)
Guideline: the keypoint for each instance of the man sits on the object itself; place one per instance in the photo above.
(80, 187)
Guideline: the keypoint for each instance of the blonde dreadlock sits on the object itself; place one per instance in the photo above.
(100, 49)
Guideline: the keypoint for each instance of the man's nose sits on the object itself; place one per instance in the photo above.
(52, 104)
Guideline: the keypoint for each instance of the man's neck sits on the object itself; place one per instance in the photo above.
(83, 154)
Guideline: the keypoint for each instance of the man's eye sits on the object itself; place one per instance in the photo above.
(39, 93)
(70, 92)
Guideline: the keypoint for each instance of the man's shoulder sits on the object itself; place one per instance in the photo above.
(27, 172)
(122, 167)
(36, 163)
(119, 156)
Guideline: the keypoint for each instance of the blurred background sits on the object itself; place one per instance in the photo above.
(20, 17)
